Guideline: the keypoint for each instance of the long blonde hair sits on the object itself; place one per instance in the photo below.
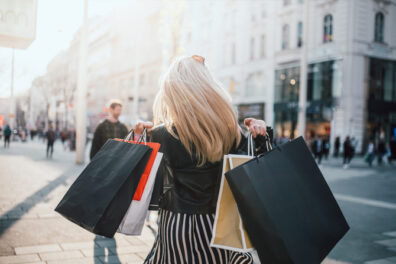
(199, 108)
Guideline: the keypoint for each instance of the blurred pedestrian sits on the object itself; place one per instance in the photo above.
(64, 136)
(337, 144)
(326, 147)
(370, 155)
(392, 147)
(381, 150)
(111, 127)
(348, 152)
(388, 154)
(50, 136)
(7, 135)
(72, 140)
(317, 148)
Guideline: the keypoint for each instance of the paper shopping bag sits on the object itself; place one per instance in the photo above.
(288, 209)
(101, 195)
(228, 230)
(133, 221)
(143, 180)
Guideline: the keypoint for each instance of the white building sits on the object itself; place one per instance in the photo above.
(254, 48)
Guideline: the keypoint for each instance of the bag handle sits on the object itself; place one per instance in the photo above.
(250, 145)
(131, 134)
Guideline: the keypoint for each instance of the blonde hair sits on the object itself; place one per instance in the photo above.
(199, 108)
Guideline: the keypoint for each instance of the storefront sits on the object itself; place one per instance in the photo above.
(287, 86)
(323, 91)
(381, 100)
(255, 110)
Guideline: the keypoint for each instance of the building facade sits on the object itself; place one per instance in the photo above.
(255, 51)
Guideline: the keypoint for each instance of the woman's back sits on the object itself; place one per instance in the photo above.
(188, 188)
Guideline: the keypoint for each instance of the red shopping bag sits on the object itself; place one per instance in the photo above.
(143, 180)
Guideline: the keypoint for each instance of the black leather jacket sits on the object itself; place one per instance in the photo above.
(181, 186)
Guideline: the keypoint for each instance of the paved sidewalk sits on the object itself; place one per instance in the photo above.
(30, 230)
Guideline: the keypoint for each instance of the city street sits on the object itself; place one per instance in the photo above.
(31, 232)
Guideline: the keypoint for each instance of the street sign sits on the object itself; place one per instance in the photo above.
(17, 23)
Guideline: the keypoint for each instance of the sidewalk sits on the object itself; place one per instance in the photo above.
(30, 230)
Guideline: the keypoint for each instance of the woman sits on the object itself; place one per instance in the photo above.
(195, 125)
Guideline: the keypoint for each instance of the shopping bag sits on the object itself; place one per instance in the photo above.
(133, 221)
(228, 231)
(143, 180)
(101, 195)
(287, 208)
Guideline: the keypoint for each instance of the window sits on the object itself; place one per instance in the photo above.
(299, 34)
(262, 46)
(328, 29)
(379, 27)
(285, 37)
(252, 48)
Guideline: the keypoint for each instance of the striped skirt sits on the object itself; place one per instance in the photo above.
(185, 238)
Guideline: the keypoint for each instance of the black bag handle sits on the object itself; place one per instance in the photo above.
(131, 134)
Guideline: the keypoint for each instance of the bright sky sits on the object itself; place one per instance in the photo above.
(57, 21)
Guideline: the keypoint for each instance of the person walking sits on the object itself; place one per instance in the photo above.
(337, 144)
(50, 136)
(348, 152)
(196, 126)
(64, 136)
(326, 146)
(111, 127)
(370, 155)
(7, 135)
(317, 149)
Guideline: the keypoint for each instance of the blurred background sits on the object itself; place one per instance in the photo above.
(254, 48)
(324, 69)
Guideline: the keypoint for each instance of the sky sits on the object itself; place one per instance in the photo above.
(57, 21)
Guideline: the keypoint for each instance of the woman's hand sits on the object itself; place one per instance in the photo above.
(256, 127)
(140, 126)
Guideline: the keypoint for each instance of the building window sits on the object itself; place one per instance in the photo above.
(382, 80)
(379, 27)
(323, 81)
(328, 29)
(299, 34)
(262, 46)
(252, 48)
(287, 85)
(285, 37)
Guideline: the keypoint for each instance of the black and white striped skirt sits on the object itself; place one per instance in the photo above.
(185, 238)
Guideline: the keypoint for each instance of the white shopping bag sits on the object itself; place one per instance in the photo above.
(133, 221)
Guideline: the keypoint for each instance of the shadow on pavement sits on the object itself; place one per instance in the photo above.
(100, 252)
(37, 197)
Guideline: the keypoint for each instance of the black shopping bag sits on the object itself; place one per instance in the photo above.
(101, 195)
(286, 206)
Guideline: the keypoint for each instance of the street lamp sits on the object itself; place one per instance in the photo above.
(303, 73)
(81, 118)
